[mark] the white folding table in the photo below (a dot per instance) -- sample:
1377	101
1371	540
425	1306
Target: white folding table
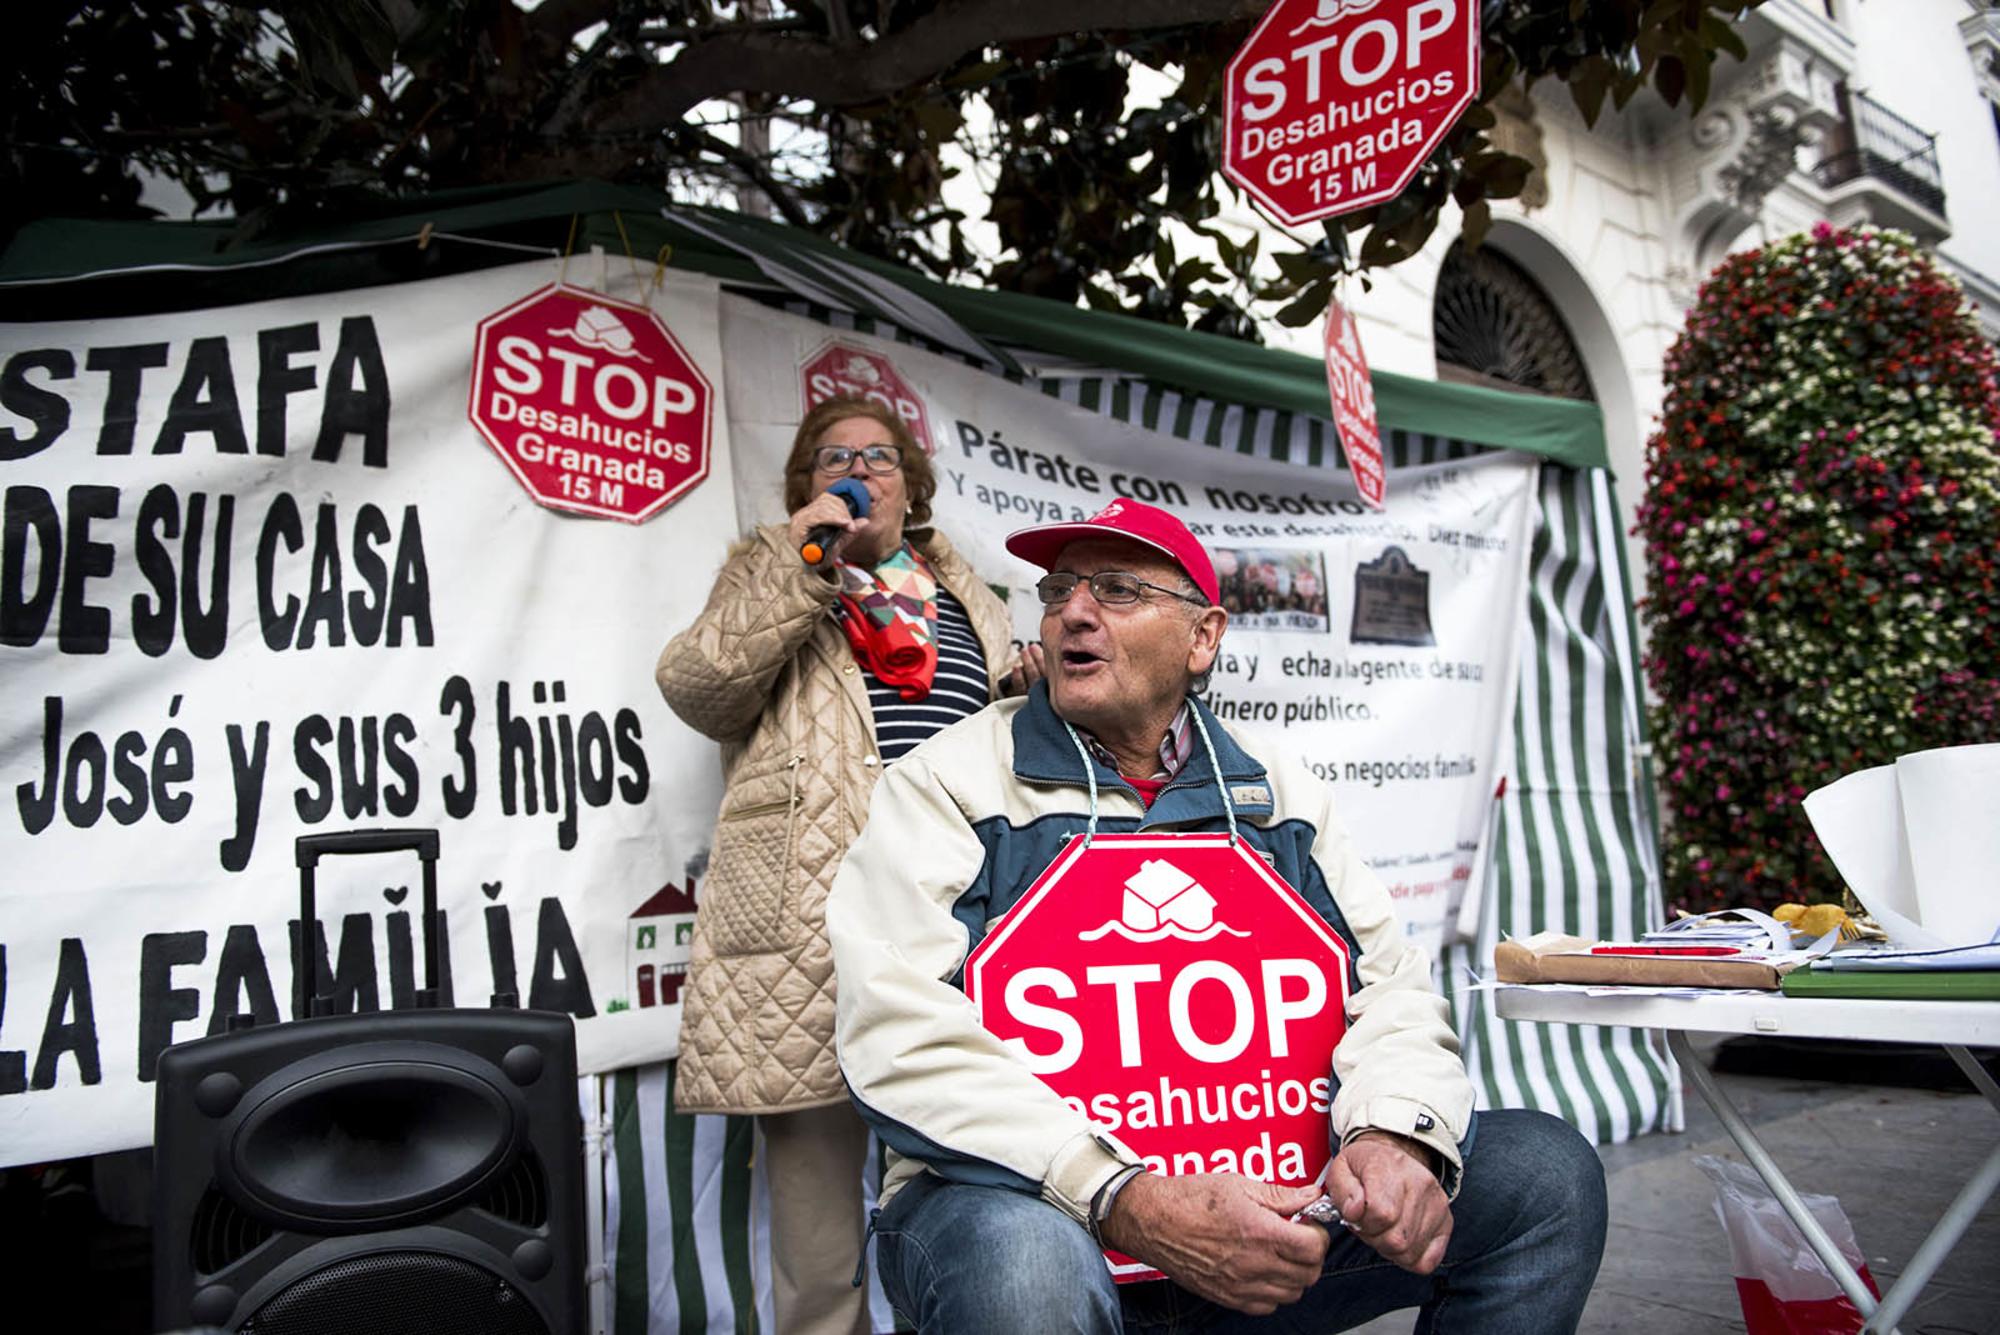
1953	1025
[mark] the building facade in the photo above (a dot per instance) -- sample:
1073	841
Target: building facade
1852	111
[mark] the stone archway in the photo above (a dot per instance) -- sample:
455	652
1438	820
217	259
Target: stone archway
1517	314
1493	325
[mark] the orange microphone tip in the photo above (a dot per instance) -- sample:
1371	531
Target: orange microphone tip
813	553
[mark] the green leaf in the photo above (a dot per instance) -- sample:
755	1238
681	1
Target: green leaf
1412	235
1588	84
1379	249
1719	33
342	44
1478	221
938	119
1225	249
1310	306
1194	270
1670	77
1504	175
1100	300
976	76
1698	67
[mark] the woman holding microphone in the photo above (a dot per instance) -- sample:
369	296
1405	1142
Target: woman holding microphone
813	677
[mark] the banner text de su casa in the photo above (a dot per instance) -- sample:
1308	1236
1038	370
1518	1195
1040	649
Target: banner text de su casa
324	576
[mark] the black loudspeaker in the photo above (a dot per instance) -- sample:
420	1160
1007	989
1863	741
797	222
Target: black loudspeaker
407	1173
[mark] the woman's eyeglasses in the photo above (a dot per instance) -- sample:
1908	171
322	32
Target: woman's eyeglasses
1113	588
875	458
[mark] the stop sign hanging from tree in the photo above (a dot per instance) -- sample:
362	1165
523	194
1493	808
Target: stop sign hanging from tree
1332	105
1172	988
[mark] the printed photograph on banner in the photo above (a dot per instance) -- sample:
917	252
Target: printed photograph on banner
1273	590
1392	602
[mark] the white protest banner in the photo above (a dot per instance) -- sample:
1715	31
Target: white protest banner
1382	645
263	578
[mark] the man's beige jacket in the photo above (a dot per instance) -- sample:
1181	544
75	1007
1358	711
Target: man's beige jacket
959	830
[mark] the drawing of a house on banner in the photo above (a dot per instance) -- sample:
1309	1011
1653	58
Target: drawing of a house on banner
659	936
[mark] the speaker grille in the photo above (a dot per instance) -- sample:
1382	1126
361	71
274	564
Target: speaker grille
521	1196
221	1232
398	1293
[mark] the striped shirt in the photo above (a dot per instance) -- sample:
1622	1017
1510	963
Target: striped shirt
958	690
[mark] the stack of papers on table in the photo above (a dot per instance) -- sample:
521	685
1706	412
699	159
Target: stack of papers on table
1742	949
1740	929
1915	961
1967	973
1918	843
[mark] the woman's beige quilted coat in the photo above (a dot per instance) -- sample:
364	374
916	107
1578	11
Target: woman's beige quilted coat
766	670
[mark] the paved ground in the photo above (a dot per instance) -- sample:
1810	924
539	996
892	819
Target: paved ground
1894	1156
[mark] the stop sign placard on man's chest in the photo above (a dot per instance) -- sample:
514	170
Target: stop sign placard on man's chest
1173	989
1332	105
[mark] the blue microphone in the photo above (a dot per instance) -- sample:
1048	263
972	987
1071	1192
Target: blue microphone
820	538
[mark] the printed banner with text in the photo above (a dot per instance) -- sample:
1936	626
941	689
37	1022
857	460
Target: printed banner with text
262	578
1381	645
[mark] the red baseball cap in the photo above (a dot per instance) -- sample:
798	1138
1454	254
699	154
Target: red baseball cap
1136	520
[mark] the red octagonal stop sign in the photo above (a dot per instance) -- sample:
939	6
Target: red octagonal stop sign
1176	991
1332	105
840	368
591	403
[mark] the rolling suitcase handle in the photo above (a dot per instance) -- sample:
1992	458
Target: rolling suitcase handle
308	849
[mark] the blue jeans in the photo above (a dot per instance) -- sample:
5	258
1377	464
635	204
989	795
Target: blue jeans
1527	1234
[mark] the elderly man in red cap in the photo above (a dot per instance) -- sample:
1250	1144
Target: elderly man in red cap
1000	1195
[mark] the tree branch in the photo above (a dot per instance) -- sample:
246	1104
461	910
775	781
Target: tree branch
813	69
563	19
757	172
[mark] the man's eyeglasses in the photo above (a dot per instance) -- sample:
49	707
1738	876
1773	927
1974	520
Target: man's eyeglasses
875	458
1113	588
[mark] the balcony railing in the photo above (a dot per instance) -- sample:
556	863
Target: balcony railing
1877	143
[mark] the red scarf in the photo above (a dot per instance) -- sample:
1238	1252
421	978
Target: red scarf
891	621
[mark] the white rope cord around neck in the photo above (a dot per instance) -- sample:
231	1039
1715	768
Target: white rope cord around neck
1214	763
1090	777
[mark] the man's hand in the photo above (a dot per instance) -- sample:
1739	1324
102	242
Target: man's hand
1389	1196
1029	668
1228	1238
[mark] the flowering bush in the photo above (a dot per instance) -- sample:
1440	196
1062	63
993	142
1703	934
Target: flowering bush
1822	528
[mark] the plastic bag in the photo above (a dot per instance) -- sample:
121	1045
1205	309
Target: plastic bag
1784	1287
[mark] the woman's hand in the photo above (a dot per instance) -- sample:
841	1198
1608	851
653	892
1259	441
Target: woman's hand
825	508
1029	667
